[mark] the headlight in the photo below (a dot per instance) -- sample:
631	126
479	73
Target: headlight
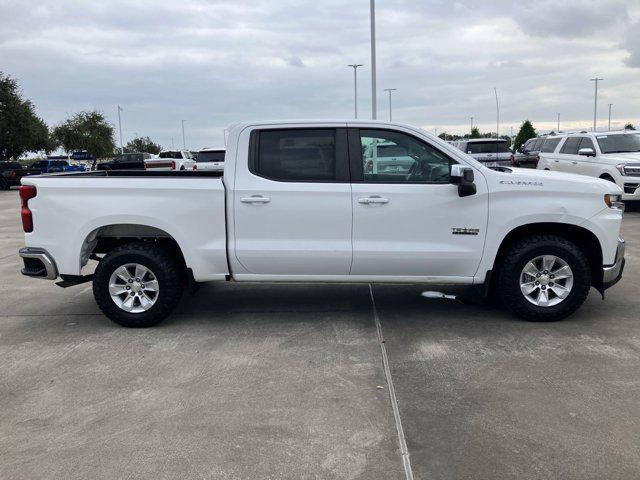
614	200
632	170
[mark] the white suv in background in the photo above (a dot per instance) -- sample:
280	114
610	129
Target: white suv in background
491	152
210	160
171	160
613	156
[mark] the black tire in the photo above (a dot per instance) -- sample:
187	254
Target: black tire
164	266
522	251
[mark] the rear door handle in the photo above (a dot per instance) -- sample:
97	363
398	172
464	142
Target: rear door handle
373	199
255	199
557	161
575	163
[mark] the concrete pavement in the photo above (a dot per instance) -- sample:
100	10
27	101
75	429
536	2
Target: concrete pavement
280	382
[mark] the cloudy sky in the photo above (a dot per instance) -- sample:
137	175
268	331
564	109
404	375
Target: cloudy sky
216	62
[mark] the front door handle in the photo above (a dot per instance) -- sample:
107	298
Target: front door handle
574	162
255	199
557	161
373	199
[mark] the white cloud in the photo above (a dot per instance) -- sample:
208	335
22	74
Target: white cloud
215	62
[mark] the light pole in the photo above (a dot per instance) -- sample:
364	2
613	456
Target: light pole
374	107
390	90
610	105
497	114
355	87
120	128
184	143
595	101
471	123
558	123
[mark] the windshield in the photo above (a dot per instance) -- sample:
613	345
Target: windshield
177	155
487	147
210	157
628	142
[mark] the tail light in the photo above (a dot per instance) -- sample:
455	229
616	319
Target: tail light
173	165
27	192
536	159
146	166
11	175
513	159
195	166
370	166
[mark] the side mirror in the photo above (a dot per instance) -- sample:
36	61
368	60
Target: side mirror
587	152
464	178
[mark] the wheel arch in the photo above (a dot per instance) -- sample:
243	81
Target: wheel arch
584	238
103	239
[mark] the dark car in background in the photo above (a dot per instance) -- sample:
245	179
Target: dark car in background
528	154
12	172
126	161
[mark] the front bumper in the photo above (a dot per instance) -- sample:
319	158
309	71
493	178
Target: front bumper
38	263
613	273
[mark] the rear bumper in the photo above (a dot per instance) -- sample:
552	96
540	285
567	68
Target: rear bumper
612	274
38	263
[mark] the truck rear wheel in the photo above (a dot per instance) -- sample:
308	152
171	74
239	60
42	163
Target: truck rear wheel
543	278
137	285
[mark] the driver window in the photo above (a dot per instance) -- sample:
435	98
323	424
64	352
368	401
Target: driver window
394	157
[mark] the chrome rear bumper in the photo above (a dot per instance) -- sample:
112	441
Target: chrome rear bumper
38	263
613	273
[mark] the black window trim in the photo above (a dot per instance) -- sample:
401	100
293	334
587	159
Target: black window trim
342	154
357	168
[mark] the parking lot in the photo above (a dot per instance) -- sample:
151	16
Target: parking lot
276	381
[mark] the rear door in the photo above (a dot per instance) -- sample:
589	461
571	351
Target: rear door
568	156
414	223
292	205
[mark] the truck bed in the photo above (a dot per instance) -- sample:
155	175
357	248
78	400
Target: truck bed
70	210
135	173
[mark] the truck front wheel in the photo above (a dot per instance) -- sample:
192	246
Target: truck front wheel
137	285
543	278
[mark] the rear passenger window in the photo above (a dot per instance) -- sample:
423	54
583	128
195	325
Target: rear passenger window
550	145
570	147
300	155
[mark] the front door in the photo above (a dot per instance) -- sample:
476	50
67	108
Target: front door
292	206
408	220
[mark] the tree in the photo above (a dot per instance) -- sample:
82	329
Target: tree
475	133
88	131
629	126
21	130
142	145
526	132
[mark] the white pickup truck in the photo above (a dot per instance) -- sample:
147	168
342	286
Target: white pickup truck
296	203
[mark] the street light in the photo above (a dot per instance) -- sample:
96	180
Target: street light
595	101
497	114
374	107
390	90
120	128
610	116
558	123
471	123
355	87
184	143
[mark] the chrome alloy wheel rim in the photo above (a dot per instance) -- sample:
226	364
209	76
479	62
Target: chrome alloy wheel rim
134	288
546	281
